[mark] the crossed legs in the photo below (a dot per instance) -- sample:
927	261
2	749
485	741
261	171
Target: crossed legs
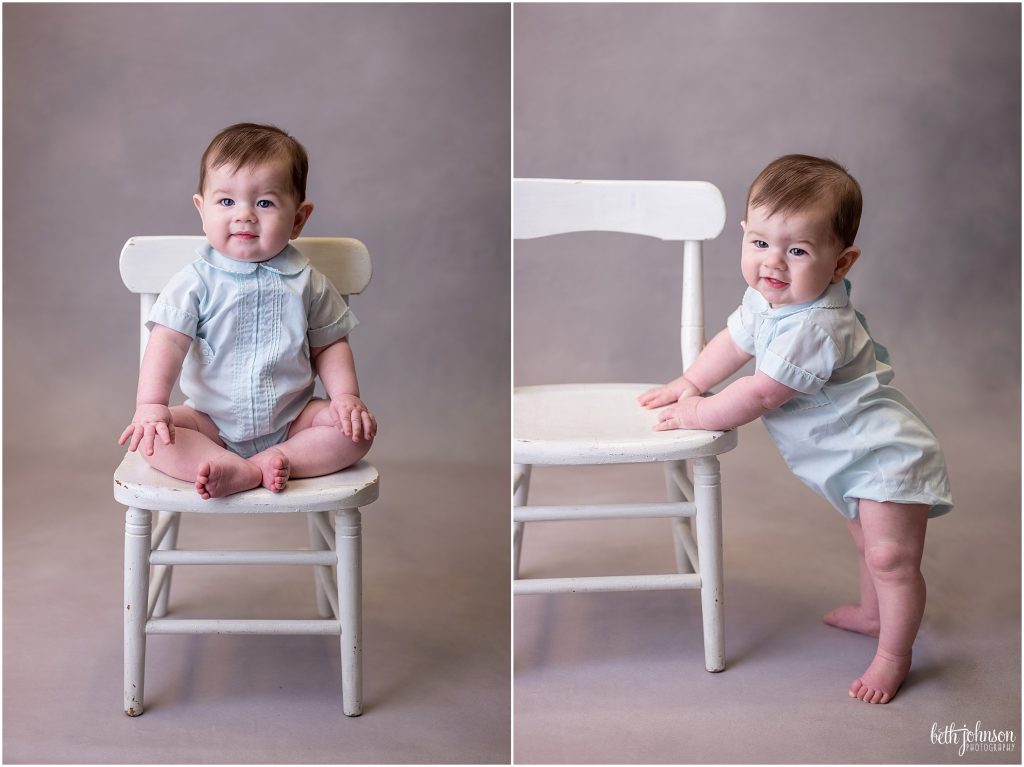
890	543
314	447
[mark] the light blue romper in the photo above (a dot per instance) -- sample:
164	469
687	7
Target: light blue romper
252	325
847	434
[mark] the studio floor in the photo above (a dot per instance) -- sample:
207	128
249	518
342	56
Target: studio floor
436	632
609	678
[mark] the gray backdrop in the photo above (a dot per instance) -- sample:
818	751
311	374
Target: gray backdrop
404	110
920	102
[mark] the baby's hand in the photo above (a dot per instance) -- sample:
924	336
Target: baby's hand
658	396
671	392
682	415
149	422
353	417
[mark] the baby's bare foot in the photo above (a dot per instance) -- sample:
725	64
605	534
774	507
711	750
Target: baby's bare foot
216	479
853	618
882	679
274	467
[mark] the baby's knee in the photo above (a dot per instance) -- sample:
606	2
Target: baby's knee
892	560
185	417
321	413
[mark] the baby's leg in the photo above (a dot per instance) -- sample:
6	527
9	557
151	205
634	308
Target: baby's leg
198	455
863	617
314	447
893	546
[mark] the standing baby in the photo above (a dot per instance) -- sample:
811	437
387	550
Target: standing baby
249	325
821	386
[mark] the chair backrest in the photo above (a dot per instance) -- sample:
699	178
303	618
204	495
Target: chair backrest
680	211
147	263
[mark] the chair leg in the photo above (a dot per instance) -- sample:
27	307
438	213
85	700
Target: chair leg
317	543
170	541
137	530
707	490
519	499
675	494
348	545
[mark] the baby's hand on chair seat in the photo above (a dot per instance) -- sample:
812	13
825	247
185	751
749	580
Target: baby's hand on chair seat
353	417
682	415
658	396
149	422
671	392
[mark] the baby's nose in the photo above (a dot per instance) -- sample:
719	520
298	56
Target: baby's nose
244	213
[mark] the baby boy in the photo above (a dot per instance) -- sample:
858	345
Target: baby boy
248	325
821	387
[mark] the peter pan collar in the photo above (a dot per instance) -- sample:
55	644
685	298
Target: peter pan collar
289	261
836	296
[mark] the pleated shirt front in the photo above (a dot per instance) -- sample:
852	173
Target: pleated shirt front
252	326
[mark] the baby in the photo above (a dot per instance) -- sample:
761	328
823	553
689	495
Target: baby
822	387
248	325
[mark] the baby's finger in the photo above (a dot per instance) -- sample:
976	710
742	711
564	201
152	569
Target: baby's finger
369	426
136	438
345	422
666	425
148	439
357	425
164	433
126	434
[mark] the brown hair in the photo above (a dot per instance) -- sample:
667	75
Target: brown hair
796	182
246	144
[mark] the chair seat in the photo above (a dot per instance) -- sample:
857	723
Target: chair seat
138	484
600	423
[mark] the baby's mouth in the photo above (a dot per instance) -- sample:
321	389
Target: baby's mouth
773	283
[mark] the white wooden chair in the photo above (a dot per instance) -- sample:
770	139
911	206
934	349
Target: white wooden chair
330	503
572	424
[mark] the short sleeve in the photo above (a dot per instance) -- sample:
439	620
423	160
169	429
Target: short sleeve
741	322
741	329
329	317
802	356
177	306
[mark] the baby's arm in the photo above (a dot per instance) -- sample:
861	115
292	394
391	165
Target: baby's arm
742	401
337	369
716	362
161	364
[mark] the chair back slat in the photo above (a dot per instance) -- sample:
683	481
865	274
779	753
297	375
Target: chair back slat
667	210
687	211
147	263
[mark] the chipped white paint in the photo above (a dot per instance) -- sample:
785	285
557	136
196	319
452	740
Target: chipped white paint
135	481
587	424
332	504
584	424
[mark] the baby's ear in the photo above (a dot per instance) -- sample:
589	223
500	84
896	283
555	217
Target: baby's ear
302	214
845	262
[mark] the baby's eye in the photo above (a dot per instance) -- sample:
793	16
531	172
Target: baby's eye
264	204
798	251
227	202
760	244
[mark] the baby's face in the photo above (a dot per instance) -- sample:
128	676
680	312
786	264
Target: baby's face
249	214
792	259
